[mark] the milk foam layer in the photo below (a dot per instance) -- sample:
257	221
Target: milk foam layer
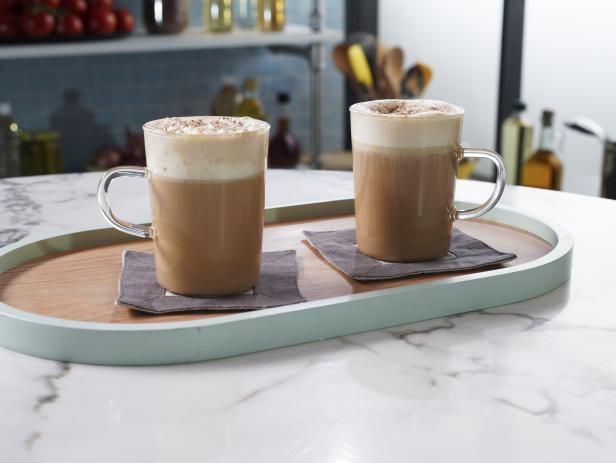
206	148
406	123
205	125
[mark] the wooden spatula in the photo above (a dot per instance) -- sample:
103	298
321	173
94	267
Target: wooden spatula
416	80
392	70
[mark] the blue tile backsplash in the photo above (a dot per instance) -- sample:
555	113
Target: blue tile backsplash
118	91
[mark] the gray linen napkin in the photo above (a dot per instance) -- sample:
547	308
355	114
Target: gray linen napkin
139	290
465	253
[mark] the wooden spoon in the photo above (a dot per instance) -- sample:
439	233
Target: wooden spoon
393	70
383	88
341	59
381	51
340	56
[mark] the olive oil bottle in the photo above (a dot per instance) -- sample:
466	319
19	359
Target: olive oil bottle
544	169
516	143
250	105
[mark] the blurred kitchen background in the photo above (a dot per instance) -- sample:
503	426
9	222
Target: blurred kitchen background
78	103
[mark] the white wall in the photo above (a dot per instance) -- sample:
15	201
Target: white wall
570	67
460	40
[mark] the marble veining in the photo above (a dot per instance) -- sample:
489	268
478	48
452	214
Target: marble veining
29	442
533	381
267	387
548	409
53	390
11	235
18	204
347	340
52	394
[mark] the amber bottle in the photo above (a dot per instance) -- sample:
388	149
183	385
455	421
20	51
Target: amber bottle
544	169
284	148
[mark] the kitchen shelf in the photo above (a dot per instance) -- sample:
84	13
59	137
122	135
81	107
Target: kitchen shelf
303	41
193	39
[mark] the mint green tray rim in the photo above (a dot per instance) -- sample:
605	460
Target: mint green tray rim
242	333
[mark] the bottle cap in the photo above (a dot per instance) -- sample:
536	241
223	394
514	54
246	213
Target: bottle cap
547	118
519	106
229	80
5	108
283	97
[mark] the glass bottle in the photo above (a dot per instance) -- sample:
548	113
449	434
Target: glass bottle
250	105
165	16
516	143
218	15
9	143
284	148
246	13
544	169
271	15
40	152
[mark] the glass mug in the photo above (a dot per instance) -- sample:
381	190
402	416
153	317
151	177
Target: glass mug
405	158
207	197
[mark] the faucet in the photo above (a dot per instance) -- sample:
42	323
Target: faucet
608	171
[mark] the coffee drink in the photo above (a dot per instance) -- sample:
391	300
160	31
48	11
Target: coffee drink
405	157
206	178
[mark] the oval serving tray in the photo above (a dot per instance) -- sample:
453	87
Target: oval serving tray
57	293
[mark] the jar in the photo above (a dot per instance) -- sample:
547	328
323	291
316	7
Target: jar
218	15
165	16
271	15
40	152
246	13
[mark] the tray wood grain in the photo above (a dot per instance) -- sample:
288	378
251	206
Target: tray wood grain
83	284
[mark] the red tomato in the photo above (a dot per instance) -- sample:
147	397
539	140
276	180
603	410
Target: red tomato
76	6
39	24
101	4
8	25
101	21
23	6
126	21
6	6
69	25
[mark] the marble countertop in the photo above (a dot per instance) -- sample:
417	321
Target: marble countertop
530	382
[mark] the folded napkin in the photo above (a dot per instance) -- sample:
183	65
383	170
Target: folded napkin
465	253
139	290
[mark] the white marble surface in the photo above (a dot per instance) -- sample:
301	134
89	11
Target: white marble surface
530	382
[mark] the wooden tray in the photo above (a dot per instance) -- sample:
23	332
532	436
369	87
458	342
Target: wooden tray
57	294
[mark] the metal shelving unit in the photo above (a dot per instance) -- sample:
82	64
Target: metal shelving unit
192	39
304	41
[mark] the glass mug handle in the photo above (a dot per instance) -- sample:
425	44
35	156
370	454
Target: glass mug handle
103	188
499	187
